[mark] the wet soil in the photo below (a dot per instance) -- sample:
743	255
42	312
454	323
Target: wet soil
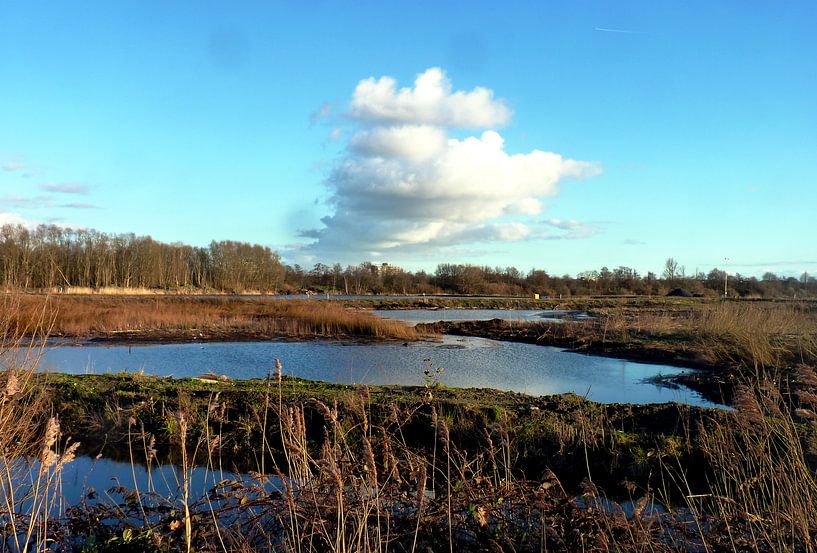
715	383
191	336
115	415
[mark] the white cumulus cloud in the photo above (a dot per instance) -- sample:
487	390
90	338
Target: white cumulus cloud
416	143
404	184
10	218
431	101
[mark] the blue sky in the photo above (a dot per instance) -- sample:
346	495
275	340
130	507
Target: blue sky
618	133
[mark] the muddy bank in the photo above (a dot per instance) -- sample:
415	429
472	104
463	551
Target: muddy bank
119	415
579	303
192	336
553	335
715	383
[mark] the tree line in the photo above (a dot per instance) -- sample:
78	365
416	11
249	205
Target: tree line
53	257
467	279
50	257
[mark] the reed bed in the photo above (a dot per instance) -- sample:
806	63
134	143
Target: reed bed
763	485
109	291
733	333
758	335
743	335
352	475
340	477
192	317
33	451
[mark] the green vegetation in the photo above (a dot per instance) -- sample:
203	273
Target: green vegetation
732	341
528	473
96	410
326	467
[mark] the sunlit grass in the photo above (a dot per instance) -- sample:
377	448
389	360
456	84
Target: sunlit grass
350	474
227	317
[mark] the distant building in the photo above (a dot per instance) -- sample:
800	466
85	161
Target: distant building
387	269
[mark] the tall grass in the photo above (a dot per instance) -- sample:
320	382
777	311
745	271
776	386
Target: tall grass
193	317
341	478
351	476
758	335
764	490
743	335
110	291
31	459
356	484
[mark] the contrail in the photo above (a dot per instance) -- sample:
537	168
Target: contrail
624	31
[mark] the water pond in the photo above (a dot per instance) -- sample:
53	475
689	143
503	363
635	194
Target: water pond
91	481
103	481
467	363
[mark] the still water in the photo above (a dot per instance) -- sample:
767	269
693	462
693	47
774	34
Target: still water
467	363
106	481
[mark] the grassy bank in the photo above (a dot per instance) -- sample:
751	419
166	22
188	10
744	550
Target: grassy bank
99	411
731	341
429	467
175	318
339	468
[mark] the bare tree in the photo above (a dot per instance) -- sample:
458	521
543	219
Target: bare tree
671	269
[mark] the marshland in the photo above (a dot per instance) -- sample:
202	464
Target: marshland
263	459
394	277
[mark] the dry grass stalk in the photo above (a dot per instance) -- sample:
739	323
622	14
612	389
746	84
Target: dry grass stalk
361	486
30	440
103	315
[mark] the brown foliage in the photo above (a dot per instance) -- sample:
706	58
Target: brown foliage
224	318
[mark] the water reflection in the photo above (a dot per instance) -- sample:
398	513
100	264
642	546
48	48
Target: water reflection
468	362
108	481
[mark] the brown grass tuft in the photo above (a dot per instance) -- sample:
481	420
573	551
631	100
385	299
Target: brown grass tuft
203	318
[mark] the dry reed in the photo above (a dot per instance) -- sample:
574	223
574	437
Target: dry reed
195	317
33	451
353	482
758	335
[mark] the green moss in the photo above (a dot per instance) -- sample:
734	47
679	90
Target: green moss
566	433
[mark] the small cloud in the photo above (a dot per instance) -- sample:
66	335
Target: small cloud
13	166
25	201
574	230
320	114
634	242
309	233
564	225
66	187
335	134
79	206
8	218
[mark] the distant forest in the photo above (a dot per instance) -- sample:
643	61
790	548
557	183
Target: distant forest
55	258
